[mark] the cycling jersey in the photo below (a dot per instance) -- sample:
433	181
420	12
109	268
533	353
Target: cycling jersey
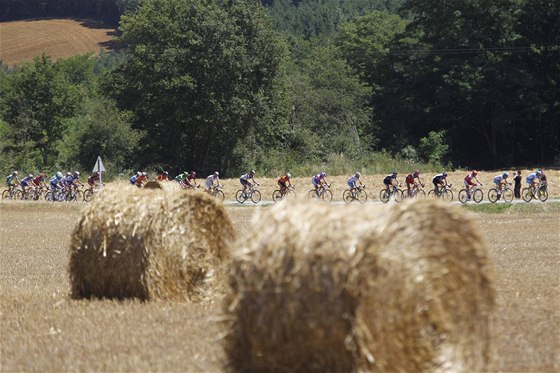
210	181
25	181
180	177
283	180
531	177
469	179
409	179
389	179
133	179
316	180
352	181
439	178
246	177
38	180
54	181
92	179
498	179
11	180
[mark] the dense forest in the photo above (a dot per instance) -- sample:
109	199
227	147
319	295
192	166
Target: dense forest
290	84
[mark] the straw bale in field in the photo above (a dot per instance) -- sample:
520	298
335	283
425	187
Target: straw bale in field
431	310
324	288
154	184
149	244
295	286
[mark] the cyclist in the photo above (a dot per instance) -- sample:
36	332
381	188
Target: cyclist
93	180
26	182
244	180
285	182
439	180
141	180
212	181
134	177
542	178
353	180
469	182
390	180
190	180
319	180
410	183
500	181
55	181
533	179
12	181
163	176
39	180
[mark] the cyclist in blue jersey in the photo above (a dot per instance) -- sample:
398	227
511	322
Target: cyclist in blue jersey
26	182
500	181
318	181
12	181
354	180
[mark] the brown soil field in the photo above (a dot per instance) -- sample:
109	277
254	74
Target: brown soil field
374	184
21	41
42	329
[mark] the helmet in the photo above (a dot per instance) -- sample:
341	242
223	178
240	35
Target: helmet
30	175
185	172
252	172
193	173
216	174
539	172
394	173
417	172
165	172
288	175
143	174
59	174
444	174
69	174
505	174
139	173
96	173
15	173
323	174
358	174
77	173
474	172
42	174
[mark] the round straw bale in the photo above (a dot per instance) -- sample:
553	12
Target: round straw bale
149	244
295	285
330	288
431	309
153	185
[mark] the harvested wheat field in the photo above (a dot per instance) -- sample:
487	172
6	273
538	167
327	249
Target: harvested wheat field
43	329
21	41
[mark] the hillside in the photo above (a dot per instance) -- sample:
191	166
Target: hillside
60	38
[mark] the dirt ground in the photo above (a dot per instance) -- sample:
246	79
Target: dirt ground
42	330
59	38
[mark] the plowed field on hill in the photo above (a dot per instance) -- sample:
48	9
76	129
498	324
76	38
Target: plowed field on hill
21	41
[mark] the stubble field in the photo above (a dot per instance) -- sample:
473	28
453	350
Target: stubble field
21	41
42	330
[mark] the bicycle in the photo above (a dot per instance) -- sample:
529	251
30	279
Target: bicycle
251	193
12	193
504	193
323	193
476	195
444	192
280	194
216	191
55	195
394	191
540	193
415	192
355	194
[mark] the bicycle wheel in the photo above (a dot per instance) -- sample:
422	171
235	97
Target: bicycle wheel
327	196
240	196
256	196
290	194
527	194
347	196
478	196
384	196
542	194
277	196
6	194
463	196
431	193
79	196
220	195
312	194
493	195
49	196
447	195
361	196
18	195
398	195
507	195
88	195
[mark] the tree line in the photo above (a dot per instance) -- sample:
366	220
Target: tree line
232	85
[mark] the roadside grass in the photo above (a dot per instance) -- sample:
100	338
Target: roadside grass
501	208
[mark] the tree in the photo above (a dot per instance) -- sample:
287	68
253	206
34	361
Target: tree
37	101
199	76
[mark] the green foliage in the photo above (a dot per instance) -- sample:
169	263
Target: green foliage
100	130
199	76
433	149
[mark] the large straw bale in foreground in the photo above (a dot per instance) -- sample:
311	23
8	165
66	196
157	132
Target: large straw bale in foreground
149	244
324	288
